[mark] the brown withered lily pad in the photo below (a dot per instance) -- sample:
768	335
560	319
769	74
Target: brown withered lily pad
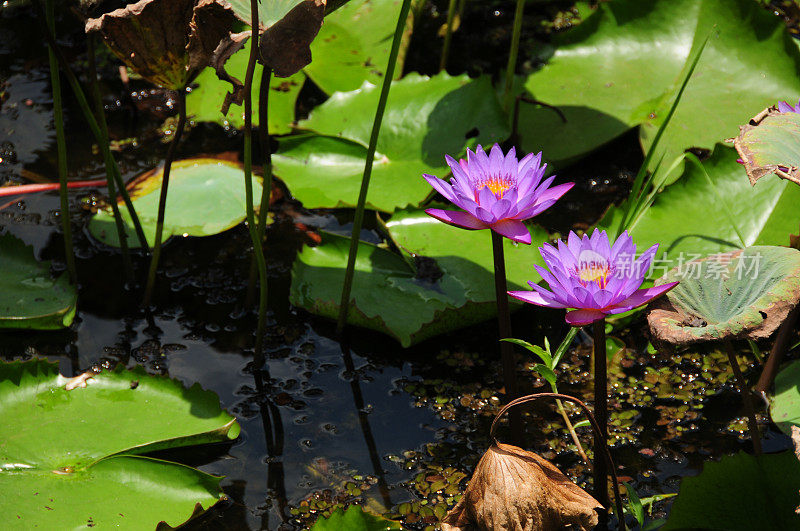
745	293
770	143
167	42
518	490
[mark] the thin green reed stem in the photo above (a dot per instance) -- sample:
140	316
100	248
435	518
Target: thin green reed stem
112	188
600	491
451	12
102	141
248	186
162	199
266	188
58	118
511	67
358	221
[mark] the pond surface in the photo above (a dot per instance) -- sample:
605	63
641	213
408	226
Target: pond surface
396	429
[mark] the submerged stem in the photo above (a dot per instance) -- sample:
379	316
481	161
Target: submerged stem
504	327
451	12
58	118
747	398
779	349
600	412
358	220
258	249
162	199
511	66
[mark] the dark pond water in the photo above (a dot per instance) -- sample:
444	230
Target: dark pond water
322	423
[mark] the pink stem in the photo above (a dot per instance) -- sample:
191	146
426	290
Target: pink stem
30	188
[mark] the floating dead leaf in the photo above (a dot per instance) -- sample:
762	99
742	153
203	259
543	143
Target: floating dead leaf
518	490
770	143
167	42
745	293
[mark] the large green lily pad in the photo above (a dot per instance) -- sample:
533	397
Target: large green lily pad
689	219
353	519
66	456
29	296
785	405
205	197
771	145
622	66
740	493
744	293
353	45
204	101
388	296
425	119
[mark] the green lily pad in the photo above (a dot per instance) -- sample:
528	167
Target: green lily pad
353	45
387	296
354	519
205	197
425	119
29	296
204	101
688	219
785	405
740	493
622	66
744	293
66	455
772	145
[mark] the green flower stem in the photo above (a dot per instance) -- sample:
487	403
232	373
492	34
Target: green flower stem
258	249
509	360
451	12
358	221
511	67
58	118
747	398
600	492
112	188
266	188
102	141
779	349
570	428
162	199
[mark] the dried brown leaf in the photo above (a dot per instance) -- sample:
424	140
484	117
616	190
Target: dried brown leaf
227	47
285	46
513	489
754	170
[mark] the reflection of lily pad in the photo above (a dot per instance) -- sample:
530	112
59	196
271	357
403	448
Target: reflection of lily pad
740	493
772	145
785	407
425	119
66	455
206	196
29	297
353	519
743	293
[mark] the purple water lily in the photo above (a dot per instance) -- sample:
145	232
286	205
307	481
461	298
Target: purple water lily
496	191
593	277
786	107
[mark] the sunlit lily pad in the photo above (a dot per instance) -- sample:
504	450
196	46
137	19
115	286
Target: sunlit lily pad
203	102
452	288
785	405
66	456
740	294
740	493
353	519
425	119
771	145
689	220
29	296
621	68
206	196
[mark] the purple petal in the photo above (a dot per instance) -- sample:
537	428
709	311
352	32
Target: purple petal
440	186
785	107
486	198
457	218
535	298
500	209
513	230
484	215
644	296
583	317
555	192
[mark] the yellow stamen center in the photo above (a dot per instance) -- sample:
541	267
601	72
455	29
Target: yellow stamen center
594	272
498	184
